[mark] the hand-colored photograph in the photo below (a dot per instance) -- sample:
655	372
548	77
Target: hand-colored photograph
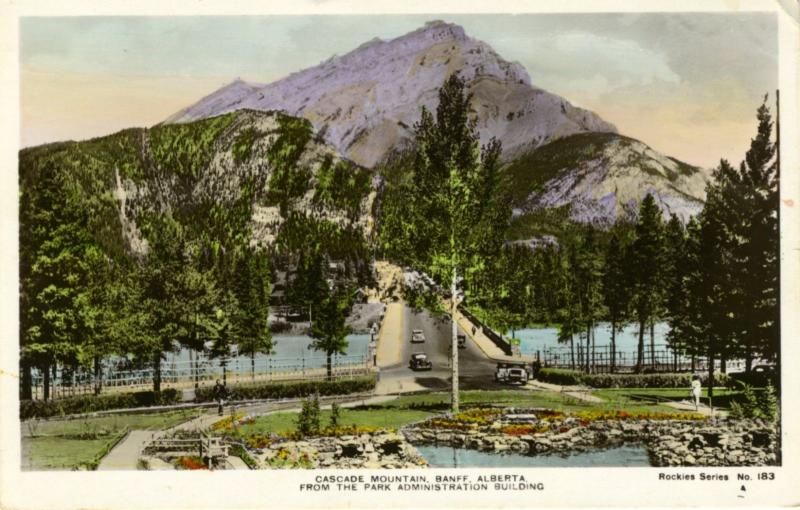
399	241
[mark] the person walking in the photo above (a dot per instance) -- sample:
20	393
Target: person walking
696	389
219	393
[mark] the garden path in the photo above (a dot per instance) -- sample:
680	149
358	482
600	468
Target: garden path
125	455
578	392
685	405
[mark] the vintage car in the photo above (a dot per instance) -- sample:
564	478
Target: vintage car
512	373
462	341
419	361
417	336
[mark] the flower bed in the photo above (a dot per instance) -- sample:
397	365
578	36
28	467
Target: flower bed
190	462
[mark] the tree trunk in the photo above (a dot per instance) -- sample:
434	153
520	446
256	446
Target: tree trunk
748	360
329	366
640	348
46	382
594	364
588	346
157	372
613	347
572	351
26	384
723	365
694	363
454	342
98	376
253	364
710	378
652	344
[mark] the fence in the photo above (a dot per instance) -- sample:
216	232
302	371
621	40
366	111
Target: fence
657	358
67	382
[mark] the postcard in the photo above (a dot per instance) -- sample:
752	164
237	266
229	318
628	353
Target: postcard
337	254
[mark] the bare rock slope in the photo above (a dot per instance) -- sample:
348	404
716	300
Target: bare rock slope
366	102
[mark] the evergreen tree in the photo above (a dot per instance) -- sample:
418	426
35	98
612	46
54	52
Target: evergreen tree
616	294
329	329
646	261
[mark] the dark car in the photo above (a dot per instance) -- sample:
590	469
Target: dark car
462	341
419	361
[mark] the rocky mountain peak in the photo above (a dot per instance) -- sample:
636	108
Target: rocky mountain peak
366	102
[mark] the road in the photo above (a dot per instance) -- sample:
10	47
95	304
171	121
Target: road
476	371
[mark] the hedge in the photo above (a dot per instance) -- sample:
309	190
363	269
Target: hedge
91	403
662	380
290	389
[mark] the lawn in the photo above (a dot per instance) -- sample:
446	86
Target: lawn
630	398
81	443
408	409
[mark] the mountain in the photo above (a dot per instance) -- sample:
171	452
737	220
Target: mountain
598	177
366	102
247	177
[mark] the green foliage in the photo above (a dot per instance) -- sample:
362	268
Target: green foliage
335	416
342	185
238	450
574	377
288	181
290	389
328	328
184	150
308	423
242	146
763	405
88	404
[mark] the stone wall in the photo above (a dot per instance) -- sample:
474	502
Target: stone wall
669	443
379	450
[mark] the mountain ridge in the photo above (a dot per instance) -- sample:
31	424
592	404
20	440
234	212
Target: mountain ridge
366	101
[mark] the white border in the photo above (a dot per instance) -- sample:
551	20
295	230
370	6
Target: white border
593	487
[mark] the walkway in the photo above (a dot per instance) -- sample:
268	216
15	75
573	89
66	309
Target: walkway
390	336
685	405
490	350
125	455
578	392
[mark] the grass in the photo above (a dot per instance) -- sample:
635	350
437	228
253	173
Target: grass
408	409
75	444
630	397
61	453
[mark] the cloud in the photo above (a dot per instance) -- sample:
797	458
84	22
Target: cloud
597	64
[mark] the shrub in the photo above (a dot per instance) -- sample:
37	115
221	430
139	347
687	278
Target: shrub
290	389
90	403
335	415
308	419
665	380
763	405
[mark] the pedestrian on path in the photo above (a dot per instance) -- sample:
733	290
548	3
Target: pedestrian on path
219	392
695	391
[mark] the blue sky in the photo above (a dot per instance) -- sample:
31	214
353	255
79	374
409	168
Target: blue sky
687	84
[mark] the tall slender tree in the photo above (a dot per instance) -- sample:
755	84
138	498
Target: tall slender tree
646	262
452	180
616	294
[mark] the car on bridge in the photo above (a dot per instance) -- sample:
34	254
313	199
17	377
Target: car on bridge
417	336
512	373
419	361
462	341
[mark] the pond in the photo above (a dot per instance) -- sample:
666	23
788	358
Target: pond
534	339
289	352
450	457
